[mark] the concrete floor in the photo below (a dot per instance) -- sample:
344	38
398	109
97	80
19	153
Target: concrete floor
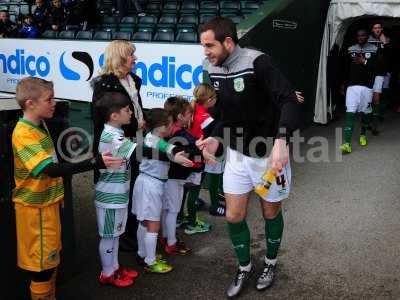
341	238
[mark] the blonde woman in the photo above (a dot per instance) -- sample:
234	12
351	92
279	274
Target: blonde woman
116	76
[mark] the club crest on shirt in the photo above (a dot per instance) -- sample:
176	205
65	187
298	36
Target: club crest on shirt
367	55
238	84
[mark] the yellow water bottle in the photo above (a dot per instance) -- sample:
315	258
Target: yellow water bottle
268	179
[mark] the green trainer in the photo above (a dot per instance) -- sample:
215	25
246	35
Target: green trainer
200	227
159	266
363	140
346	148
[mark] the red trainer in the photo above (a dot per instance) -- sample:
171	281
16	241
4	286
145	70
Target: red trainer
126	272
116	279
177	249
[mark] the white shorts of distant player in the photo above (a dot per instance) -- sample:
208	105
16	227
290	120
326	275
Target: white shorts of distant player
242	173
359	99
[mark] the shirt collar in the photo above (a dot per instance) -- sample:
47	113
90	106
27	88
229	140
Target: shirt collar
233	57
110	128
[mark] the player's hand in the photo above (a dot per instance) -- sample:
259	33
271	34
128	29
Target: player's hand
376	98
210	144
300	97
359	60
342	90
208	157
181	159
111	162
279	155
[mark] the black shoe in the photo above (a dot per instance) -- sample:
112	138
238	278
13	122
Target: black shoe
140	260
266	277
127	245
241	278
218	212
221	198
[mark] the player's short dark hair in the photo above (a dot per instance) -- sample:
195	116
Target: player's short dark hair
376	23
109	103
222	28
363	30
156	117
175	106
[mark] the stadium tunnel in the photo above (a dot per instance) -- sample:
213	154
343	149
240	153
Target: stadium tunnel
345	16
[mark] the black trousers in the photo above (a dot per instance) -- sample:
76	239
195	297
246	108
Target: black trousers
131	223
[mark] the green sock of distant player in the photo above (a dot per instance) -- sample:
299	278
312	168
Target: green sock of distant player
348	129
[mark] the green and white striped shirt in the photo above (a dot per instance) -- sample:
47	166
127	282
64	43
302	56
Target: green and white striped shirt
112	188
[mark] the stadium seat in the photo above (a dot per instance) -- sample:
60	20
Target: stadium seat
167	21
102	35
227	7
189	29
72	27
128	20
205	18
122	35
84	35
147	21
209	7
108	27
170	7
189	6
142	36
164	36
188	21
24	9
187	37
153	8
66	34
49	34
235	18
110	20
249	7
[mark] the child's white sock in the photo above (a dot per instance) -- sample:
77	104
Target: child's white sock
170	230
116	251
141	233
106	256
150	241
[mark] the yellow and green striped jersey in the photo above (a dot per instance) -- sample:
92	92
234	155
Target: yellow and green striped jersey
33	150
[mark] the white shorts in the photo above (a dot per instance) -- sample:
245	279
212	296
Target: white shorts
111	222
194	178
242	173
359	99
173	195
147	198
217	168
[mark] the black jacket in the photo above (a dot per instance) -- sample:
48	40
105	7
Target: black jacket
254	100
110	83
185	142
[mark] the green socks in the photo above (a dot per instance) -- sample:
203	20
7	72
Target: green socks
193	195
365	122
348	129
273	235
213	187
240	237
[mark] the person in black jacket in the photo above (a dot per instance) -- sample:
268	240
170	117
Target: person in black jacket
116	76
257	111
57	16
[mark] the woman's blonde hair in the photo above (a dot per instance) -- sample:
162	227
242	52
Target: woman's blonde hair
203	92
115	57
